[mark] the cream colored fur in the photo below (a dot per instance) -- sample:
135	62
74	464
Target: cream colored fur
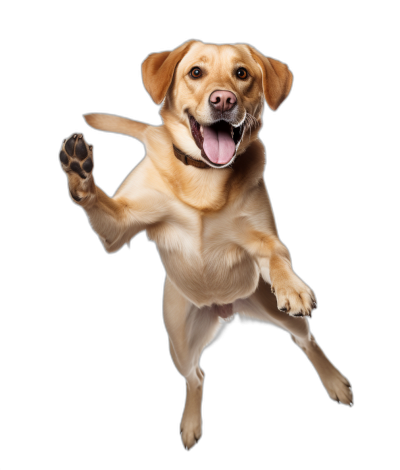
214	228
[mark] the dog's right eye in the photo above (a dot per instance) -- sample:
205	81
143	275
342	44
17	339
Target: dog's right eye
196	72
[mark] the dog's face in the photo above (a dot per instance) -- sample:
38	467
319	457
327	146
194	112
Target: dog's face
214	96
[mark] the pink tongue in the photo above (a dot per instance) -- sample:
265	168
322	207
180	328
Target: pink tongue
218	145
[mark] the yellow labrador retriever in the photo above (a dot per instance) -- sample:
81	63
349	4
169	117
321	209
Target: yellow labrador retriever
200	195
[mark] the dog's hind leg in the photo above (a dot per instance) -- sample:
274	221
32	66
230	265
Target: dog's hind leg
262	305
189	329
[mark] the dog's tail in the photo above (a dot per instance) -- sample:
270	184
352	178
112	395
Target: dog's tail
120	125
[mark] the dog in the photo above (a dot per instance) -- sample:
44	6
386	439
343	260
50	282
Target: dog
200	195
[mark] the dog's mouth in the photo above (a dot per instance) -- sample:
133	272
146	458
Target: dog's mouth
218	142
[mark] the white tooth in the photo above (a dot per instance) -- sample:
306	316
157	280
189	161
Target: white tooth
201	131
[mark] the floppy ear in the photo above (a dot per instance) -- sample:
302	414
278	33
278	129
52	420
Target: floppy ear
276	77
158	70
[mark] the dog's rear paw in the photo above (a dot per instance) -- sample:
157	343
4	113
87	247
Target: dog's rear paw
76	158
190	430
338	388
190	437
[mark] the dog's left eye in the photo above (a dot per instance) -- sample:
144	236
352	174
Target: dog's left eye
241	73
196	72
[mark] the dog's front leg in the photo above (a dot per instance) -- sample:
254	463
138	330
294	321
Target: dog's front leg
258	234
116	220
293	295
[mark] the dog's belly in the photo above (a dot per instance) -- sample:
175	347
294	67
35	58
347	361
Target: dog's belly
219	276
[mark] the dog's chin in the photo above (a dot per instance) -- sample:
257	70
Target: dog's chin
217	142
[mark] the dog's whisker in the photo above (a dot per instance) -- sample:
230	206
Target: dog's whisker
249	122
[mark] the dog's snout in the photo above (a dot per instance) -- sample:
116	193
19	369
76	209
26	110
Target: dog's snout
222	100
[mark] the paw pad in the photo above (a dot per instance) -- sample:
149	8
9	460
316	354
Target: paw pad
76	156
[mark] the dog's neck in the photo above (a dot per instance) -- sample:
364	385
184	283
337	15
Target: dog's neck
207	191
203	190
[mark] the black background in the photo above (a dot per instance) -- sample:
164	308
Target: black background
89	377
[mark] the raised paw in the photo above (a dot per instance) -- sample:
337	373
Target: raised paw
76	158
294	297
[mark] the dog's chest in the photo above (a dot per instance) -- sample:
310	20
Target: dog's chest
201	255
195	235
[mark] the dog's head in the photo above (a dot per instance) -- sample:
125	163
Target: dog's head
213	96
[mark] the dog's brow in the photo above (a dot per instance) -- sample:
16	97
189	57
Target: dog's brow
239	62
198	63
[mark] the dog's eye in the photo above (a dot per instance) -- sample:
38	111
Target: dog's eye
241	73
196	72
